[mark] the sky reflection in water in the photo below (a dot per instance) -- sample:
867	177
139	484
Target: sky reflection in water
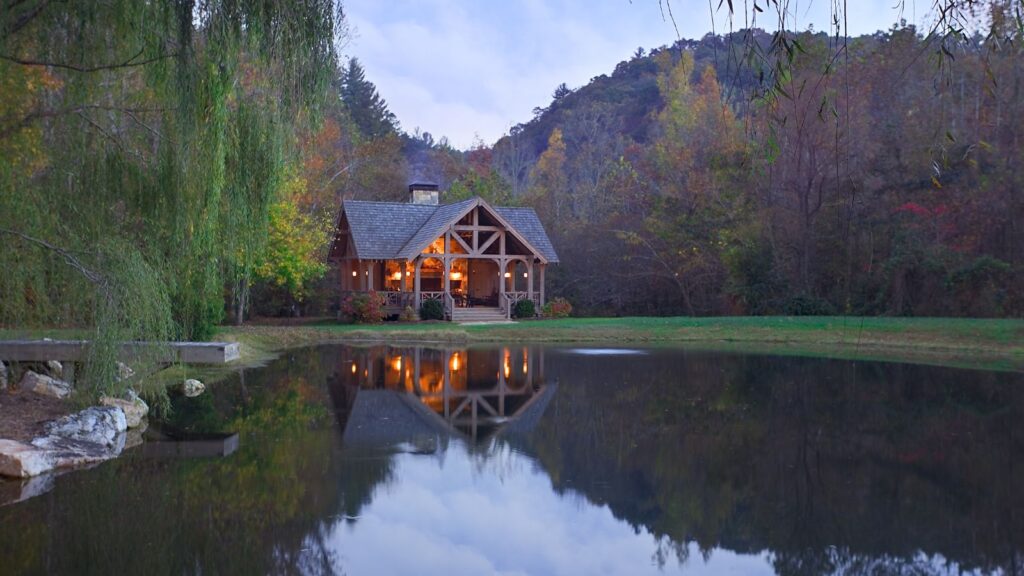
533	460
468	514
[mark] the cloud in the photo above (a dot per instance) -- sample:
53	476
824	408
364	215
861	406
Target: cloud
467	68
457	517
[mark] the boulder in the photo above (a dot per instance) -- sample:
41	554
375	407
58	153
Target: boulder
20	460
55	368
42	384
134	410
124	371
3	376
192	388
88	437
98	425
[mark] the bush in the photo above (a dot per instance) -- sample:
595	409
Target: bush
557	308
407	315
806	305
432	310
363	308
524	309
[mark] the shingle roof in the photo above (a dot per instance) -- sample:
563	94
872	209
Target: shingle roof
381	229
526	222
396	230
444	216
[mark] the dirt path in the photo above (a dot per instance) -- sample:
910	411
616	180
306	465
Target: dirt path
23	414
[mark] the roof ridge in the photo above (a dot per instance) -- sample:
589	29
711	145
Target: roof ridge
429	221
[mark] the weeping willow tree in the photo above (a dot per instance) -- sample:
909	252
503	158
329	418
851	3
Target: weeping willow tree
141	147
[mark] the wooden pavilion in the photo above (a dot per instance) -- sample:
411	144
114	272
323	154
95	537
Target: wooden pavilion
477	259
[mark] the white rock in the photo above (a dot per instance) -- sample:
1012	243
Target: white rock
134	410
20	460
42	384
98	425
124	371
55	368
3	376
192	387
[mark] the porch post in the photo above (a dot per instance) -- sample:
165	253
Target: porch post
542	267
416	283
447	274
529	279
369	275
447	263
361	274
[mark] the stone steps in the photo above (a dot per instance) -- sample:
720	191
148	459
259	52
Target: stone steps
478	314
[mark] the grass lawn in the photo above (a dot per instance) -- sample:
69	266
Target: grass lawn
996	344
968	342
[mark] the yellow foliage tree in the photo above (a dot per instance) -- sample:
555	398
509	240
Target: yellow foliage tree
548	179
293	256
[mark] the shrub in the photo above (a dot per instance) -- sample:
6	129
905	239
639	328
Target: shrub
806	305
407	315
557	308
524	309
432	310
363	308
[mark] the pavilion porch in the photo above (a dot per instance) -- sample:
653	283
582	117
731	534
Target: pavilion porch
459	281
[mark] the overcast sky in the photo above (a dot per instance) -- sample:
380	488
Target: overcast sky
470	69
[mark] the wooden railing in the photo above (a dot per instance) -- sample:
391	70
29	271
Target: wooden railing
424	296
512	297
391	298
396	299
449	305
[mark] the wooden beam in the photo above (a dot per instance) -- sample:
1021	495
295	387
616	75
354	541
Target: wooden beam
471	228
487	243
466	247
76	351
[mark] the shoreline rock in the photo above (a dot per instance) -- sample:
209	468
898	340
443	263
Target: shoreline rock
55	368
46	385
192	388
91	436
135	410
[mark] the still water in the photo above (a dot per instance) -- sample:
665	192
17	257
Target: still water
553	460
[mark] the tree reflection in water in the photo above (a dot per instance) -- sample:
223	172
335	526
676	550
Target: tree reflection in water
807	466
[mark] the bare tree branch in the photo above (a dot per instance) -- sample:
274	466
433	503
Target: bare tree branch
25	18
129	63
31	117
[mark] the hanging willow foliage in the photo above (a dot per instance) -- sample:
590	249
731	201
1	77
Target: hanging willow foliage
141	146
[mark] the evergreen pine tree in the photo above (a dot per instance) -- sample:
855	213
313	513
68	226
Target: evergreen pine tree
367	109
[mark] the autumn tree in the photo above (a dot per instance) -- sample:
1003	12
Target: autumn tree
161	134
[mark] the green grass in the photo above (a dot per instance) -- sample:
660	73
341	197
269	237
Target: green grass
967	342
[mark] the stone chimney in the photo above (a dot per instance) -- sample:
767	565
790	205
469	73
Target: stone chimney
423	193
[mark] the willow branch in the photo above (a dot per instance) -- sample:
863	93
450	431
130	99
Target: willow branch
89	274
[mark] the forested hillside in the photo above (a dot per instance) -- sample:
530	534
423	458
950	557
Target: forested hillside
870	175
882	176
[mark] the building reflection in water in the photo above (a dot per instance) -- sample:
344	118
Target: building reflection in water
391	394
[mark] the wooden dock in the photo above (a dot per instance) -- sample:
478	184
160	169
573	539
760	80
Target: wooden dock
75	351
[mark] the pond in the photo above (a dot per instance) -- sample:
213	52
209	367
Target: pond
553	460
